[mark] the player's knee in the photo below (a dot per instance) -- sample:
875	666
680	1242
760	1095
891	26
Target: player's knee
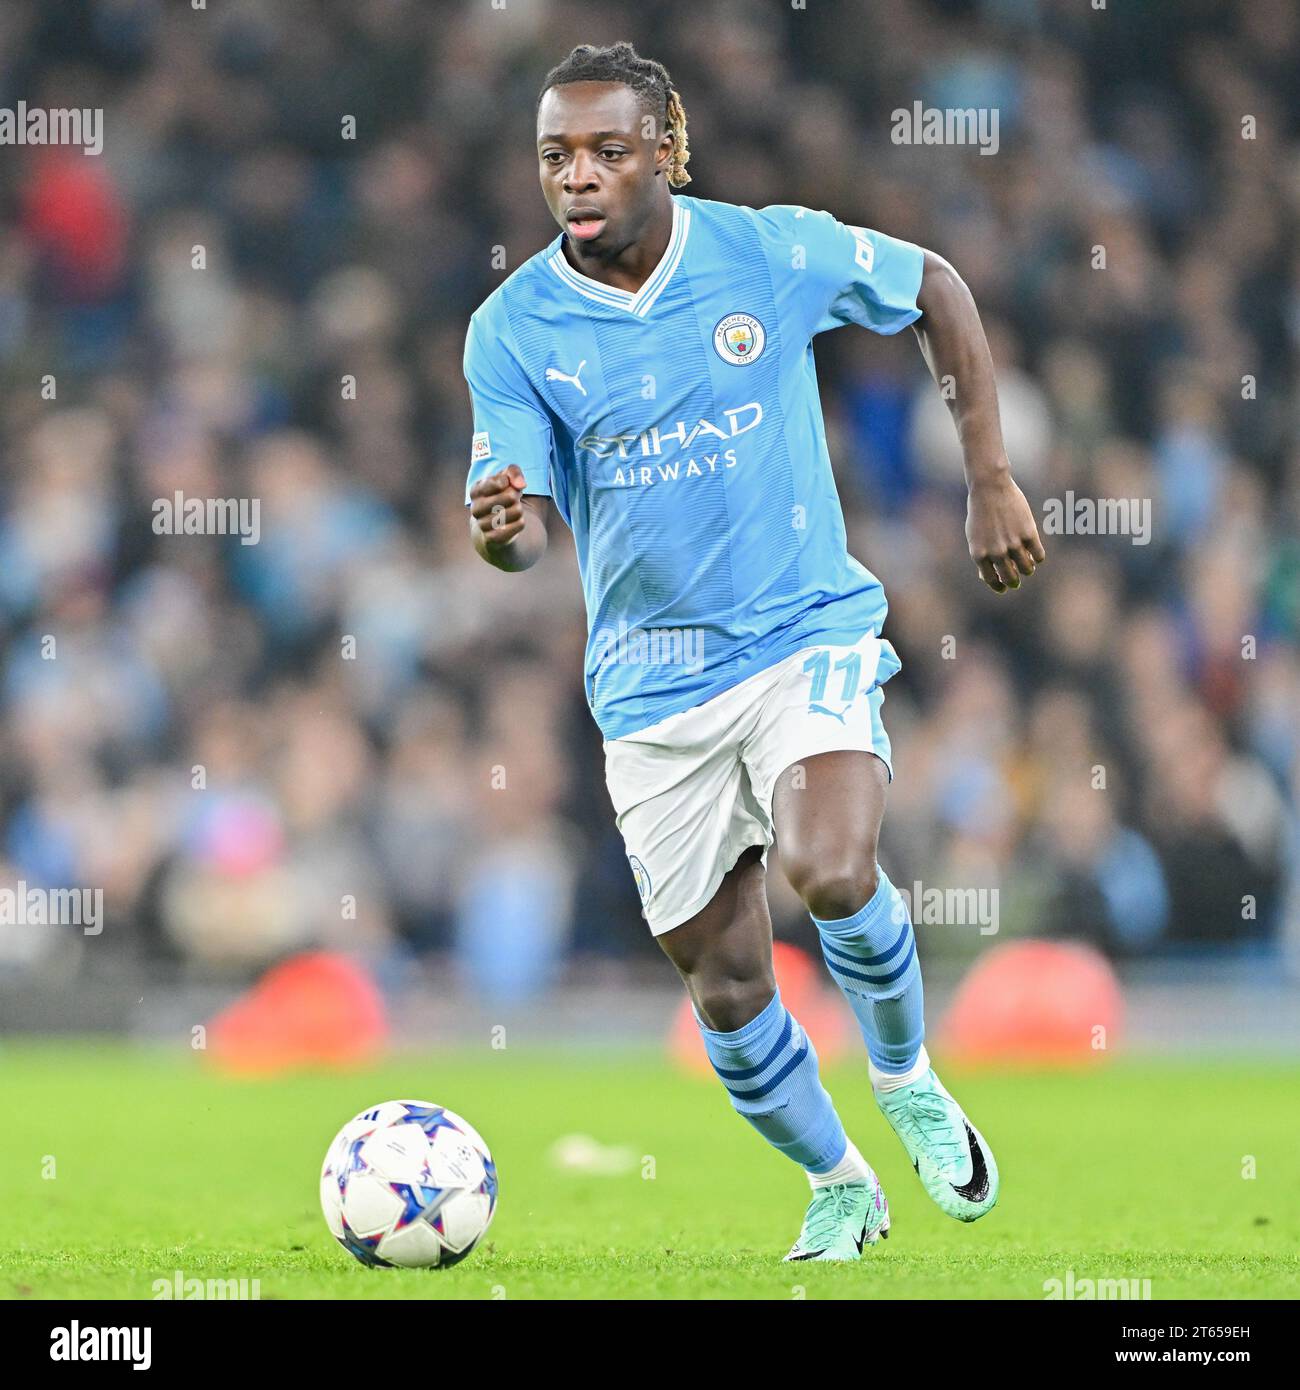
727	1003
832	890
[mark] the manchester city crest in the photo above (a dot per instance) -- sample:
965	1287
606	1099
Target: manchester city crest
739	339
641	876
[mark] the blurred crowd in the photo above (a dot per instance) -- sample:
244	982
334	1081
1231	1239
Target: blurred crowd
356	734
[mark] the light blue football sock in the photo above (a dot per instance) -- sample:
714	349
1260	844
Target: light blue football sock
769	1068
872	956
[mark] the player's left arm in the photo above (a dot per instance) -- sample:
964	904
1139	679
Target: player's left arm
1000	527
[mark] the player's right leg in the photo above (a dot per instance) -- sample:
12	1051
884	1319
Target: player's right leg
768	1064
696	844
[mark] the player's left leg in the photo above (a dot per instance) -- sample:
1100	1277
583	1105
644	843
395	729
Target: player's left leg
826	812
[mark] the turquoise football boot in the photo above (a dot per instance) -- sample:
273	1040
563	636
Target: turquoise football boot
841	1219
955	1165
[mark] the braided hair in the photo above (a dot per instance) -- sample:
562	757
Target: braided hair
620	62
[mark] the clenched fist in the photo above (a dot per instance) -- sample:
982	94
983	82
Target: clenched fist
508	532
497	505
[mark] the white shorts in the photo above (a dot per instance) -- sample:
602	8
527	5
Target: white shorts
692	792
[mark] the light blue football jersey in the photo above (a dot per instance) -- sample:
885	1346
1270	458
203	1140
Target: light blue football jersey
679	432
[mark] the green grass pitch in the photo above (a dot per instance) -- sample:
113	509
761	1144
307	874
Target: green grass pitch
1132	1170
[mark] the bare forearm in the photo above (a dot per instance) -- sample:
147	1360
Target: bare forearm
1000	528
957	353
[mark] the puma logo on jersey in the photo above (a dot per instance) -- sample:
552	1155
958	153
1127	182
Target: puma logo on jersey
555	374
821	709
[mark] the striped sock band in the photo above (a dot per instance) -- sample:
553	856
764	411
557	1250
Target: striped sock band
872	956
769	1068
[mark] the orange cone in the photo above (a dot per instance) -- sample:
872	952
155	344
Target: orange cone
1035	1002
804	992
316	1009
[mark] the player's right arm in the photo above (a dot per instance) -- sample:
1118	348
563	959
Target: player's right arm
511	452
507	527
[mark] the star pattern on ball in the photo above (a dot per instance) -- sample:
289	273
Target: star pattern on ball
430	1118
418	1202
365	1248
488	1187
352	1163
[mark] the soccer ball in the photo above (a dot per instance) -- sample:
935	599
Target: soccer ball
410	1184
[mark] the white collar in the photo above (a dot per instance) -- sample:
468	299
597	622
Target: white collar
641	302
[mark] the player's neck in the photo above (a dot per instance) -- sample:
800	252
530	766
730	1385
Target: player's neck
631	266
